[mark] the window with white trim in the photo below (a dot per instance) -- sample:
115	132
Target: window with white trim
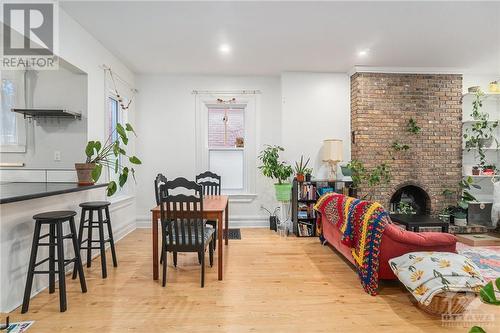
226	141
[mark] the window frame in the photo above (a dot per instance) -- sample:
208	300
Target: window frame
21	124
248	102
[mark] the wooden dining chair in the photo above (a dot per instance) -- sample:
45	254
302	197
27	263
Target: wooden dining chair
160	180
211	183
183	226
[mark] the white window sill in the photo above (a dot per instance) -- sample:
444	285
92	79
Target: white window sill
241	197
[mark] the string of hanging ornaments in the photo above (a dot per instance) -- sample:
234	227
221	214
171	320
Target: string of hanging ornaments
120	98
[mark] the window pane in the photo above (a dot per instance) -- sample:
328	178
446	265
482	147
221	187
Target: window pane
8	118
229	165
225	126
114	119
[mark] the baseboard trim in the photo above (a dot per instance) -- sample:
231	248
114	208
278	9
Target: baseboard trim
239	221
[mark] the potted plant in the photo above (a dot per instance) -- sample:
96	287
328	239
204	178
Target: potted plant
308	172
445	214
300	169
405	208
108	155
489	169
481	134
273	168
475	170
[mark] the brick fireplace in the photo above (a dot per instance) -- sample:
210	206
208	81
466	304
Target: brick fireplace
381	105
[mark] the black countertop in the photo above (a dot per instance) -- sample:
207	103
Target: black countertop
15	191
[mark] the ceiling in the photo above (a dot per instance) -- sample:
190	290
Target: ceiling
267	38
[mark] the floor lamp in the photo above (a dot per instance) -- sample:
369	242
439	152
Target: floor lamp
332	154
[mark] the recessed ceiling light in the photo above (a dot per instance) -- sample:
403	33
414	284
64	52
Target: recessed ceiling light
225	49
363	53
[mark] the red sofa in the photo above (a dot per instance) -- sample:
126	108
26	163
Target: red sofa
395	242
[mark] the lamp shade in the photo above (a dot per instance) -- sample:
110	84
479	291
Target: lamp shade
332	150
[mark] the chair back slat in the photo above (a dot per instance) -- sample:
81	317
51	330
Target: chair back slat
210	181
182	215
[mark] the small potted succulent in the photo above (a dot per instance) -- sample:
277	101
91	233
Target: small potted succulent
273	168
308	172
300	169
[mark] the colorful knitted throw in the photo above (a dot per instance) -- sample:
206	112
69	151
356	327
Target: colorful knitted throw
362	224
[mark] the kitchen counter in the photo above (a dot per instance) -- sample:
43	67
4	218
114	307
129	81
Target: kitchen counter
17	191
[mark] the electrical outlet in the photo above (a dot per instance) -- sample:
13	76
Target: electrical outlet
57	156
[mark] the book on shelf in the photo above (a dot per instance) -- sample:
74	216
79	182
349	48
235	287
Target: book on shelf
305	229
306	191
305	211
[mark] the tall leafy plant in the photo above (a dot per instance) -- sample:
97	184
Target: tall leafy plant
272	167
380	174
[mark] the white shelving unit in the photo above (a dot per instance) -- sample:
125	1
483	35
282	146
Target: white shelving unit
491	105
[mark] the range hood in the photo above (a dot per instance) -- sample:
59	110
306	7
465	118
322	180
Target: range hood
29	111
47	113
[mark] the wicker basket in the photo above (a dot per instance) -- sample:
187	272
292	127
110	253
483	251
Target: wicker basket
449	303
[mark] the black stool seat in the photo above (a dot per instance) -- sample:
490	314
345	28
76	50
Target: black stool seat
95	204
55	215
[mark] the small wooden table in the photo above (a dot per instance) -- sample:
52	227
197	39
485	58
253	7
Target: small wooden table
413	222
215	207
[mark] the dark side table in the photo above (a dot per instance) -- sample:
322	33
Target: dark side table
413	222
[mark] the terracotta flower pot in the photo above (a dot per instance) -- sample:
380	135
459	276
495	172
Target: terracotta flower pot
84	173
300	177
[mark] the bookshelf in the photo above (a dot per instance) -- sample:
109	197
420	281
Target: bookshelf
304	197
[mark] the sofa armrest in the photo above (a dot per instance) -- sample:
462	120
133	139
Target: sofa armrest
419	239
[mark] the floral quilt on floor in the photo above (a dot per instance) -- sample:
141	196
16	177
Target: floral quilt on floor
362	224
426	274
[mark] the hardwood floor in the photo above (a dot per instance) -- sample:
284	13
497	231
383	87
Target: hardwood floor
270	284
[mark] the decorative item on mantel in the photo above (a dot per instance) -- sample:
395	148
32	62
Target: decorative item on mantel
301	168
332	154
108	154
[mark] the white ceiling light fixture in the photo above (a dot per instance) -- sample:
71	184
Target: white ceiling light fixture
363	53
225	49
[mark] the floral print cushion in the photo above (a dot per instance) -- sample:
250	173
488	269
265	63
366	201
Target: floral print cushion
426	274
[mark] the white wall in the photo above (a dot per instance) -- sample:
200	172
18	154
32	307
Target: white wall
316	106
166	129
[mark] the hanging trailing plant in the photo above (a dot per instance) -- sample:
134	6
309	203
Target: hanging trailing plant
380	174
480	134
412	126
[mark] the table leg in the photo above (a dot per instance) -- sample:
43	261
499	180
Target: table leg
154	227
219	247
226	216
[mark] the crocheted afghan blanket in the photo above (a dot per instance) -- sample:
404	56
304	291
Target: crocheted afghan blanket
362	224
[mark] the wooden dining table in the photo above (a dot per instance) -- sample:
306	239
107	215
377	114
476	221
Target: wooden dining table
215	207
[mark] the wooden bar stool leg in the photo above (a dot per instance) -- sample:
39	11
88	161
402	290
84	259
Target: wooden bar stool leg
80	237
31	268
89	239
52	255
111	239
78	261
60	268
101	244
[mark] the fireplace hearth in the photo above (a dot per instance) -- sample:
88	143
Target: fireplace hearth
414	196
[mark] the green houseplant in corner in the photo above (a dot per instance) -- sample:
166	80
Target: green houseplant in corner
273	168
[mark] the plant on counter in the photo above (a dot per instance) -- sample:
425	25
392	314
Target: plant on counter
466	185
380	174
480	134
301	168
109	154
273	168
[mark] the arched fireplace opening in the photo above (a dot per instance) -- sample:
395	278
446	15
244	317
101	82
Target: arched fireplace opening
413	195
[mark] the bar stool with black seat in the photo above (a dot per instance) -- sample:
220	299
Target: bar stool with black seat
56	238
99	207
